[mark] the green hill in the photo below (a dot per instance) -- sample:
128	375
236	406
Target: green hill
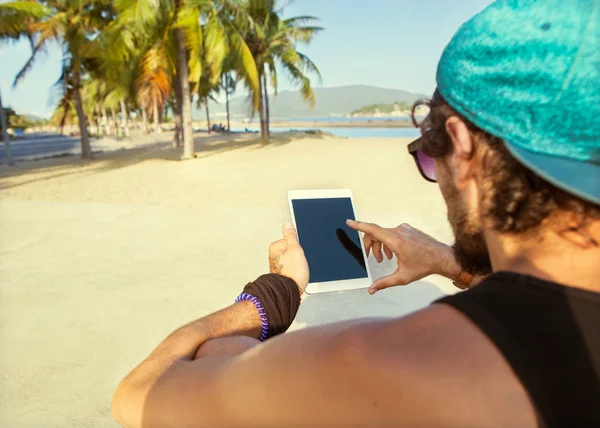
335	101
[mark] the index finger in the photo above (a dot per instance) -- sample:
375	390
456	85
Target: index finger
372	229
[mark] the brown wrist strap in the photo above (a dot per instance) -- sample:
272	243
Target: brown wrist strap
280	297
463	280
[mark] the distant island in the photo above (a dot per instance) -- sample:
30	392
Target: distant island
395	109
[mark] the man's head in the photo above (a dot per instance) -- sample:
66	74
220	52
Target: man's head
486	187
515	124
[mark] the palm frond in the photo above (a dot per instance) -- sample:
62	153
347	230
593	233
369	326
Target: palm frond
303	34
17	17
309	66
247	67
29	64
272	74
300	20
64	111
188	20
291	62
216	47
154	81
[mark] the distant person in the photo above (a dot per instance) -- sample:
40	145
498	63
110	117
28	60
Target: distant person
513	139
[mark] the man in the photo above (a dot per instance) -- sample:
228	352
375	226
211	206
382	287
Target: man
514	131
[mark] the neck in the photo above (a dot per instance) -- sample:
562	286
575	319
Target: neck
549	257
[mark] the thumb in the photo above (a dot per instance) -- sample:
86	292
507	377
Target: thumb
383	283
289	233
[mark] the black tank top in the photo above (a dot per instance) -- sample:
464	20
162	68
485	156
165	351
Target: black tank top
550	335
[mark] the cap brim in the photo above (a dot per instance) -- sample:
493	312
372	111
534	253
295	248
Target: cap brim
579	178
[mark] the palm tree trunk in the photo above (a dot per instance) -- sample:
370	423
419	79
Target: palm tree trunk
157	129
186	107
144	120
178	121
207	115
5	136
99	121
86	150
113	114
227	101
176	139
266	105
124	117
105	121
264	138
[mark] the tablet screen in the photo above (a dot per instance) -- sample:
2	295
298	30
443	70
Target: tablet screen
331	247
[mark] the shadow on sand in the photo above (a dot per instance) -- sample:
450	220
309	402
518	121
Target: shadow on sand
67	165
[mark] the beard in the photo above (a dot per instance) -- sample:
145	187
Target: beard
470	249
470	256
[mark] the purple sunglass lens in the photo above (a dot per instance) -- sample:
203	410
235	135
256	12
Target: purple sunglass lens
427	165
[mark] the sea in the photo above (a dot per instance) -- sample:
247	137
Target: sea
346	132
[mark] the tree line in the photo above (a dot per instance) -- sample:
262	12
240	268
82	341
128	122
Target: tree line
145	56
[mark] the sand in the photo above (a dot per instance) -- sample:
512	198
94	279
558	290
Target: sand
100	261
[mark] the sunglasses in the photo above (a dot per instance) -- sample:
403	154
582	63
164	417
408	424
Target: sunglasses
425	164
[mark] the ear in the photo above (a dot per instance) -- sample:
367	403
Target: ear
463	150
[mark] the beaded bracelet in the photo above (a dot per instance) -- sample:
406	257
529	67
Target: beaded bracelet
264	332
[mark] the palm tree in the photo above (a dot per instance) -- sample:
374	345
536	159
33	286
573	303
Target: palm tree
154	81
272	41
177	23
149	52
200	31
228	84
74	24
15	21
204	89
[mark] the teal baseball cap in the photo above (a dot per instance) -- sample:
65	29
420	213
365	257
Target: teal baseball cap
528	71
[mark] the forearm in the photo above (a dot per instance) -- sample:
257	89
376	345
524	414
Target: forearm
241	319
182	345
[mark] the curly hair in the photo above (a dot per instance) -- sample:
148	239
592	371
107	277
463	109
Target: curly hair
514	198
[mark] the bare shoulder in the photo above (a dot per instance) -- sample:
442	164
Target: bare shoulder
433	368
448	367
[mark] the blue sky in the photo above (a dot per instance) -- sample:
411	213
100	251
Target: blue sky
386	43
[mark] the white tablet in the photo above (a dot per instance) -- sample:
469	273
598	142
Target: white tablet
335	252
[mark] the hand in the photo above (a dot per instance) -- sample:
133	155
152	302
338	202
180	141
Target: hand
286	257
417	253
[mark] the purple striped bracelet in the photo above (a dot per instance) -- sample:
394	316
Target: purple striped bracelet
264	320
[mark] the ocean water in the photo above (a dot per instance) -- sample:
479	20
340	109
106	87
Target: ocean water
341	119
373	132
353	132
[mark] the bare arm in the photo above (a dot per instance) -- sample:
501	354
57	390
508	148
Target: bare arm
179	348
432	368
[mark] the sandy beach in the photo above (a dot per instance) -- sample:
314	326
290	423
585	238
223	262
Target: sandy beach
99	261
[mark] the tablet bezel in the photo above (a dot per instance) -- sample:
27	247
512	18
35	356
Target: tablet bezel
330	286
